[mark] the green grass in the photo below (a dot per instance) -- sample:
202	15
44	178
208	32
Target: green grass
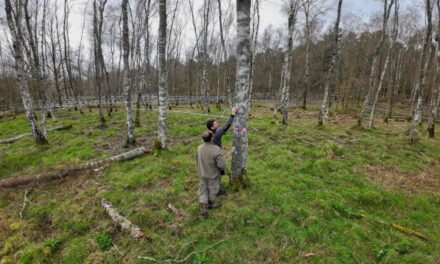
298	175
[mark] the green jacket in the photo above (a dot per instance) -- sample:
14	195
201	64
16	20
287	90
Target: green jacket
210	161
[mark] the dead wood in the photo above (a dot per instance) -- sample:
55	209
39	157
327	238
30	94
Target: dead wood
13	139
60	174
122	222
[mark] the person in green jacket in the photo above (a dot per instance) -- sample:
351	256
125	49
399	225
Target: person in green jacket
210	163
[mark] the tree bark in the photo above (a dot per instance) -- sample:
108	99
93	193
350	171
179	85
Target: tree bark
287	67
163	76
387	61
126	79
435	94
14	23
374	67
422	74
239	156
323	111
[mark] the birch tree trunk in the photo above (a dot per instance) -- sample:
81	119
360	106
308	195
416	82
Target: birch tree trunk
239	156
435	95
14	23
97	33
374	67
287	67
392	90
324	110
387	61
254	37
163	75
205	58
67	57
422	74
126	79
225	56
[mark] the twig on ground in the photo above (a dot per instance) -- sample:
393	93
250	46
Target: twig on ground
25	200
176	259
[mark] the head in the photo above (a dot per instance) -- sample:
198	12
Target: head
212	124
207	136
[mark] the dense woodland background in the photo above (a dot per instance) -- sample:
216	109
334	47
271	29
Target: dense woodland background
195	53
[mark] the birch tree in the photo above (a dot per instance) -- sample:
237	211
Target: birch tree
126	76
163	75
239	155
387	61
14	19
435	94
374	66
287	67
254	39
422	73
98	10
335	49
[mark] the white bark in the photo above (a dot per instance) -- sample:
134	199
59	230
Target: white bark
435	95
163	82
324	110
14	24
386	15
125	224
126	79
239	156
422	74
385	67
287	67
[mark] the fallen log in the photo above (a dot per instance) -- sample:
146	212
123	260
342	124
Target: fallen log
60	174
122	222
13	139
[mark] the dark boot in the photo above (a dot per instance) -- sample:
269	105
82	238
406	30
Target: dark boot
214	205
221	192
203	211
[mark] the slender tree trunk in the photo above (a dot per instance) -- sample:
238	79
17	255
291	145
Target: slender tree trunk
126	79
324	110
14	24
239	156
392	90
225	56
97	30
435	95
163	82
374	66
287	67
422	74
254	37
385	67
67	57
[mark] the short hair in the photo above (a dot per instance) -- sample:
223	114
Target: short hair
207	136
210	123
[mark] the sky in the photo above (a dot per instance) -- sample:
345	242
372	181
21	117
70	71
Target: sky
271	12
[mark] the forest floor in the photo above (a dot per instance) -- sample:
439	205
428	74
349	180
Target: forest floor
308	187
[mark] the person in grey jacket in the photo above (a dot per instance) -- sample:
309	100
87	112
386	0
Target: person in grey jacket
218	133
210	162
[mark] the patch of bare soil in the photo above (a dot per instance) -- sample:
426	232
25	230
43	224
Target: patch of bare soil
389	177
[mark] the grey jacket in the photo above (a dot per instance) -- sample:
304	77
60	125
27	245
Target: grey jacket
210	161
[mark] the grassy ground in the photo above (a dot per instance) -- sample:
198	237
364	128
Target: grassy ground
308	185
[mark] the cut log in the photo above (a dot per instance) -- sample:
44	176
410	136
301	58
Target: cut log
13	139
60	174
122	222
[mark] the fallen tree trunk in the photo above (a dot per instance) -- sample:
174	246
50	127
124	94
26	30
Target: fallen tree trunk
60	174
122	222
13	139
